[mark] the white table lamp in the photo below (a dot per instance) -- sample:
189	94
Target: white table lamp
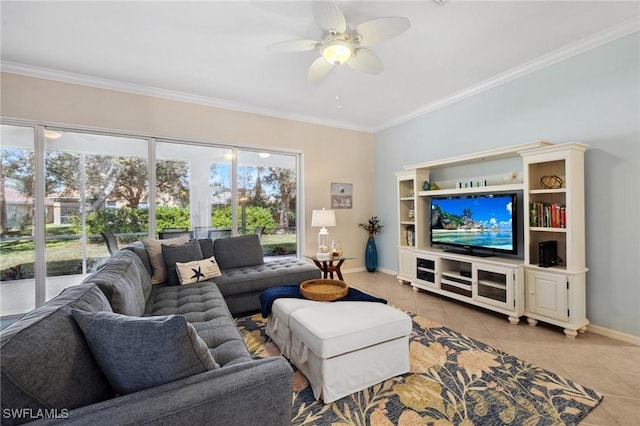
323	218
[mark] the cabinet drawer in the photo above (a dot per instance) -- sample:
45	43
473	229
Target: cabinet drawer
426	276
425	263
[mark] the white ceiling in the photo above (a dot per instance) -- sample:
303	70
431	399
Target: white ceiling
214	52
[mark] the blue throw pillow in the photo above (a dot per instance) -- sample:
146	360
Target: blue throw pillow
138	353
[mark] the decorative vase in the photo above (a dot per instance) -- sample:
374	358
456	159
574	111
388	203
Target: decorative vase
371	255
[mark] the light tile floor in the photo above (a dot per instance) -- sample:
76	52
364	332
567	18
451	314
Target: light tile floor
609	366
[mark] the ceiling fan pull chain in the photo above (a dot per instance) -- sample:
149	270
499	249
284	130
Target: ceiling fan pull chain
339	80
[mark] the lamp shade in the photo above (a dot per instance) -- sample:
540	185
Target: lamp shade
323	218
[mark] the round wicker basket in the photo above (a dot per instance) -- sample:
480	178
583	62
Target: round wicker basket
324	290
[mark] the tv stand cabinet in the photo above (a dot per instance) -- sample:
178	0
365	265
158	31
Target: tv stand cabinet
489	282
514	287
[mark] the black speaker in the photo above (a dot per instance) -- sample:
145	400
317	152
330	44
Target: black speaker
548	253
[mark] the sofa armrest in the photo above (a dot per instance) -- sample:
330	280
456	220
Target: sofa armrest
255	392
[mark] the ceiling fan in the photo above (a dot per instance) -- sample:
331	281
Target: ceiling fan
340	44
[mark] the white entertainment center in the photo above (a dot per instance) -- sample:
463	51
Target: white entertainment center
550	180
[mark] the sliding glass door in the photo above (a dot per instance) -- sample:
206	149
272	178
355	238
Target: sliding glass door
93	183
193	191
87	184
61	189
17	206
267	199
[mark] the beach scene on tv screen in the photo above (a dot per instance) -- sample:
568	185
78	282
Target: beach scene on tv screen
478	222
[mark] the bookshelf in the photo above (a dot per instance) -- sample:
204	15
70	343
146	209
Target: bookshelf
554	182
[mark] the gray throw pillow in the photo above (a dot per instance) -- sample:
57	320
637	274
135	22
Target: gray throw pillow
138	353
182	253
206	246
238	252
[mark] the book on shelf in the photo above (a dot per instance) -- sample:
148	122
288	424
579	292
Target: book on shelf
547	215
410	235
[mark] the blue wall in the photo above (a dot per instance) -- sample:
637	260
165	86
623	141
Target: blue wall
592	98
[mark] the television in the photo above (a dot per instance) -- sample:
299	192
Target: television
481	225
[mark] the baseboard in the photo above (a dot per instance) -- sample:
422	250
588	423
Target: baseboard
618	335
388	271
363	269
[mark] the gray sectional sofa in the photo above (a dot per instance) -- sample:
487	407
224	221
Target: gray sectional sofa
117	349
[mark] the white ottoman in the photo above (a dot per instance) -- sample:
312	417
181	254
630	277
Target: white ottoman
278	321
345	347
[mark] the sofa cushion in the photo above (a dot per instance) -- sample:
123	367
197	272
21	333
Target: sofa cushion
45	360
238	252
140	353
197	271
206	247
259	278
154	249
173	254
125	282
204	307
139	249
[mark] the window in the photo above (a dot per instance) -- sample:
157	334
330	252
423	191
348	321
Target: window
17	203
84	174
193	190
69	186
267	199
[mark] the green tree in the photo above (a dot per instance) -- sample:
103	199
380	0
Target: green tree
124	220
221	217
256	216
257	198
284	182
172	217
62	175
172	181
123	179
16	165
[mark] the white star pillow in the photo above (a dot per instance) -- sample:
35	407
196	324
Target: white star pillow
197	271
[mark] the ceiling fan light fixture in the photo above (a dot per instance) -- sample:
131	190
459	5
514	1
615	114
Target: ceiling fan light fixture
337	52
52	134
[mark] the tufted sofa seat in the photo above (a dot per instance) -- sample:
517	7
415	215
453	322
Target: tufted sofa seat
204	307
241	287
245	274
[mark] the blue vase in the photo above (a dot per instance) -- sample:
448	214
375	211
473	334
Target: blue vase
371	255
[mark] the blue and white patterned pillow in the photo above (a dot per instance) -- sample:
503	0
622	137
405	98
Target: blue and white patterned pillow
198	270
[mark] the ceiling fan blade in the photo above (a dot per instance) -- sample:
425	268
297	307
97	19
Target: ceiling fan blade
319	69
366	61
328	16
294	46
381	29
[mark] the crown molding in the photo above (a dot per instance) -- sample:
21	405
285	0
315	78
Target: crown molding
137	89
581	46
611	34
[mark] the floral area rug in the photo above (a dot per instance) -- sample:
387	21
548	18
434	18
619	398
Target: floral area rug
454	380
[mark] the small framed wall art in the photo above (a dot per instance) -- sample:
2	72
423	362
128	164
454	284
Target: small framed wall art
341	195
